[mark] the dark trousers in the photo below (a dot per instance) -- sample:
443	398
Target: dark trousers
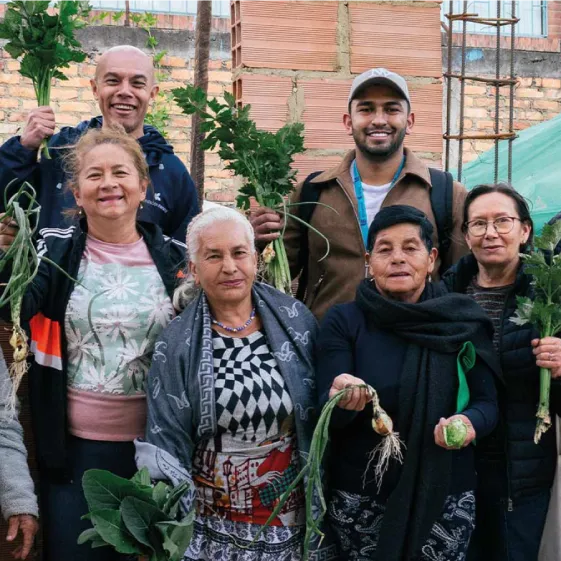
63	504
503	535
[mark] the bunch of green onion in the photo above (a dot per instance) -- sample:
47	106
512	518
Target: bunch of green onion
311	473
22	258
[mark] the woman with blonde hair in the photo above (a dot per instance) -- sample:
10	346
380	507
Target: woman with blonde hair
94	320
231	399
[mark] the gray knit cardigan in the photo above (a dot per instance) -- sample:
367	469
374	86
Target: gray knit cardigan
17	492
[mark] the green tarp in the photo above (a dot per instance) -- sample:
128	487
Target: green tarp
536	168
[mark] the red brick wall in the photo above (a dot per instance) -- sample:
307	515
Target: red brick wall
536	100
296	61
554	20
72	101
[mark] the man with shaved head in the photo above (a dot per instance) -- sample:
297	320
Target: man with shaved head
124	86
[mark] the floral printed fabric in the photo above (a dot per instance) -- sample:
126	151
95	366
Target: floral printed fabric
114	317
357	519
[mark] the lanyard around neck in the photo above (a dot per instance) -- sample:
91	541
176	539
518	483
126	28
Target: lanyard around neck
359	192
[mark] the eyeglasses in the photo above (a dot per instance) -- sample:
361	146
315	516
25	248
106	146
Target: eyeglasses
502	225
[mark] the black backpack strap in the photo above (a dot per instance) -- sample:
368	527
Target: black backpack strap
441	202
310	194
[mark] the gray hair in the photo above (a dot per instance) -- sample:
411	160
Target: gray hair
187	290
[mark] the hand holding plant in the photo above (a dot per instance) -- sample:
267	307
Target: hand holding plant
544	309
548	354
262	158
311	475
45	41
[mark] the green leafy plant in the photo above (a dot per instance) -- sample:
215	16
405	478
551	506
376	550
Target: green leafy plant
262	158
544	309
159	115
135	517
45	42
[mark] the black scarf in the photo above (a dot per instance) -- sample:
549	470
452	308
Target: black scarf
436	327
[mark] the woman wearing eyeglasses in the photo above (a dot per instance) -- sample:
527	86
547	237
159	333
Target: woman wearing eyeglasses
515	475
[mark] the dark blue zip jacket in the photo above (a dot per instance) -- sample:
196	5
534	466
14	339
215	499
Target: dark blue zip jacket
508	461
170	203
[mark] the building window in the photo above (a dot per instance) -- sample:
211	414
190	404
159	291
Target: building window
220	8
532	15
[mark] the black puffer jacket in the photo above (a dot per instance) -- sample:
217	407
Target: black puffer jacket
508	461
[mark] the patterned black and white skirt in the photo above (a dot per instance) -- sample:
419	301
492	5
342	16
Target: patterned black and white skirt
356	521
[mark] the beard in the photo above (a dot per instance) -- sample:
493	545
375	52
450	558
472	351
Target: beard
378	153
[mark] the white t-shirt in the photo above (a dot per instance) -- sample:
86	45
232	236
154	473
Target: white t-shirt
374	196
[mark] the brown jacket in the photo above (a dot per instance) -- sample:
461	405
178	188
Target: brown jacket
334	279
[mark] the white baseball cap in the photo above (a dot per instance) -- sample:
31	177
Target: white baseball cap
381	76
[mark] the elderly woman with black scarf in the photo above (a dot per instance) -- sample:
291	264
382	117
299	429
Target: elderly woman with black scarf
429	356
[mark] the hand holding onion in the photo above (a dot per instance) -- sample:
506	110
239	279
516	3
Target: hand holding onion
454	433
356	398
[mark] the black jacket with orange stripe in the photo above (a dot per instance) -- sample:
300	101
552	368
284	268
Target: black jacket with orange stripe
44	306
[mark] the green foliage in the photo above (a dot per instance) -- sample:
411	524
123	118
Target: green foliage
46	42
135	517
544	309
100	16
159	115
261	157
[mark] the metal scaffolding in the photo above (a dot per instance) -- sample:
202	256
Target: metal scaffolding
498	82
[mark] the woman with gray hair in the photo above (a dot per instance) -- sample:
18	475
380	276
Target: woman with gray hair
231	398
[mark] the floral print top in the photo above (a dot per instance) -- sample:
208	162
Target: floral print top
115	314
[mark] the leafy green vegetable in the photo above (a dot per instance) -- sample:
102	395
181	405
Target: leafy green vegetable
135	517
46	42
140	519
544	309
111	529
104	490
177	536
261	157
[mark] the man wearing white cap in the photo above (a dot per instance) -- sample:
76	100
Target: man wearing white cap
380	172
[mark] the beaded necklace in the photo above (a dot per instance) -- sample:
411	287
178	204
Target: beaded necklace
235	329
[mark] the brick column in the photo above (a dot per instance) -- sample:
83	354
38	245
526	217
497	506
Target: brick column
295	61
